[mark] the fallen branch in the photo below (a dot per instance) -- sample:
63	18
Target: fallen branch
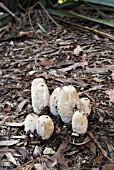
86	29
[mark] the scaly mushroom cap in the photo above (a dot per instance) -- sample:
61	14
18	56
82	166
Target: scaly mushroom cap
79	122
40	97
30	123
35	82
54	100
45	127
68	101
85	105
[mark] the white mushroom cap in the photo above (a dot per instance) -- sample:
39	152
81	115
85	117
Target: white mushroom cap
85	105
35	82
45	127
79	122
40	97
67	102
54	100
30	123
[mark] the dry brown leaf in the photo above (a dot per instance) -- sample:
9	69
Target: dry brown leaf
73	66
112	75
77	50
14	124
109	166
58	157
110	147
8	142
7	107
10	158
22	33
98	159
111	95
38	166
46	62
21	105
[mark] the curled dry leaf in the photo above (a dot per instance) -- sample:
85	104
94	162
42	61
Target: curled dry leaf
14	124
68	101
45	127
77	50
10	158
58	157
21	105
109	166
8	142
79	122
111	95
112	75
30	123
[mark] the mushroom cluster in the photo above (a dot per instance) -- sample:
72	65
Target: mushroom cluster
63	102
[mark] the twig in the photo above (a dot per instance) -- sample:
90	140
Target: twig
23	165
79	144
87	29
46	13
33	27
7	10
104	153
49	15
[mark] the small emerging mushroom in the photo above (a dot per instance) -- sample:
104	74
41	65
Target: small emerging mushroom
40	97
54	101
79	122
35	82
45	127
85	105
30	123
68	102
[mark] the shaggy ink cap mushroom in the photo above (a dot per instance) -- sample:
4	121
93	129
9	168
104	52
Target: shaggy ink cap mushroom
68	101
40	97
44	127
54	101
79	122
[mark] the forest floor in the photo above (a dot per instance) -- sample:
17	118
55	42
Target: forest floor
62	56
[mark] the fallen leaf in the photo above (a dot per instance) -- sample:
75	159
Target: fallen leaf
73	66
110	147
112	75
111	95
109	166
8	142
98	80
38	166
14	124
77	50
21	105
48	151
22	33
98	159
46	62
58	157
23	152
7	107
10	158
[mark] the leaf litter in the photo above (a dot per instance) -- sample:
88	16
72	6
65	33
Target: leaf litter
62	57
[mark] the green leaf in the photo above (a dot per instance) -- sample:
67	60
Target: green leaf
75	15
69	4
102	2
41	28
